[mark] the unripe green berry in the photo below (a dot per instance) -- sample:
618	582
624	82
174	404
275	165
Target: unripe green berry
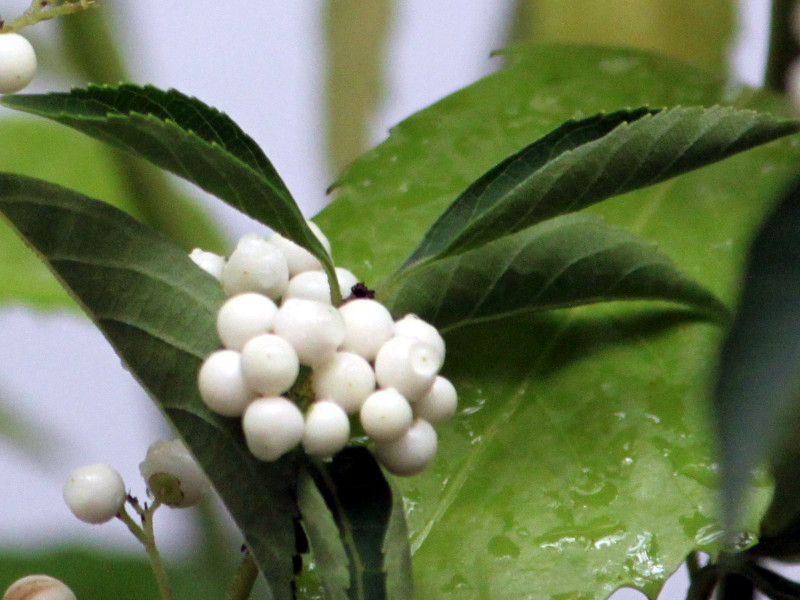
95	493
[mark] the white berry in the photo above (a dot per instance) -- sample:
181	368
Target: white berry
298	258
173	475
208	261
314	329
411	453
407	365
95	493
222	385
243	317
272	427
17	63
327	429
413	327
313	285
439	404
269	364
386	415
347	379
38	587
368	325
255	266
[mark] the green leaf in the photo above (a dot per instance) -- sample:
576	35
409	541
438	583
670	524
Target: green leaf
758	380
566	261
188	138
158	310
581	459
371	527
583	163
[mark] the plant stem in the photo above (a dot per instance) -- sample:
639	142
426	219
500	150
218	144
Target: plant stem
783	47
245	579
43	11
146	536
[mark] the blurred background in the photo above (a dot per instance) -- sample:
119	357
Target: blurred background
314	82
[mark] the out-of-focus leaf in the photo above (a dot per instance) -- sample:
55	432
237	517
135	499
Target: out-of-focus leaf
158	310
581	459
566	261
188	138
758	379
696	33
583	163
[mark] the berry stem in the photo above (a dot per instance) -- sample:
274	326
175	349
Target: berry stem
146	536
245	579
43	10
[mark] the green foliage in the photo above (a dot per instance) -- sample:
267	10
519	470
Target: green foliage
581	460
158	310
188	138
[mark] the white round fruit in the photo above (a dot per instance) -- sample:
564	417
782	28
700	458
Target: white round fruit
327	429
439	404
272	427
315	330
347	379
39	587
313	285
255	266
298	258
243	317
269	364
407	365
17	63
221	383
95	493
386	415
411	453
368	325
413	327
208	261
173	475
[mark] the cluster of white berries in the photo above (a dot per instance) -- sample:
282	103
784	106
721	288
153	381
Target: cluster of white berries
96	493
278	324
17	63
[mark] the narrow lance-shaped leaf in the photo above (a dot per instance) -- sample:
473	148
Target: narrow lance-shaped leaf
567	261
371	525
758	379
158	310
643	149
188	138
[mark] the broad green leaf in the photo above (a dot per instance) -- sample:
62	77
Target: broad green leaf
566	261
184	136
758	379
370	526
41	149
566	171
158	310
580	460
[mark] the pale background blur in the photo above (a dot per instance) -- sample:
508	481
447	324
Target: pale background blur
262	63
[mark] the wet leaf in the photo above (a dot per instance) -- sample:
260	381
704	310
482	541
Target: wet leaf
158	310
583	163
580	460
566	261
